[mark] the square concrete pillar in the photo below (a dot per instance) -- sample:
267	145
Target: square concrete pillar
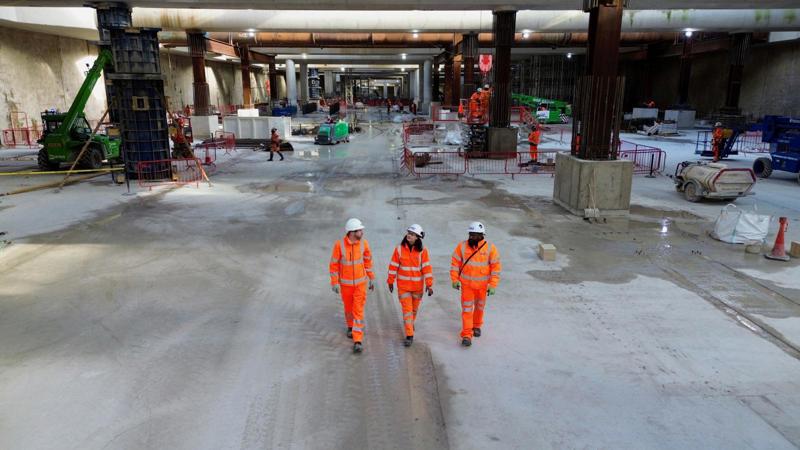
203	127
581	184
502	140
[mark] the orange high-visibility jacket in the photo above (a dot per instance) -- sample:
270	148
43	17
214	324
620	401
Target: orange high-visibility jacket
410	267
717	135
351	263
482	269
534	137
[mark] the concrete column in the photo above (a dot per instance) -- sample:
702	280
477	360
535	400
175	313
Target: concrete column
421	83
426	87
291	83
244	57
503	28
197	50
303	83
448	83
435	97
456	82
329	82
385	91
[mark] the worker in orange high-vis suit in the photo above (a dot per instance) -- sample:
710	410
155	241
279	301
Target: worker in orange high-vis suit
351	273
533	141
475	112
717	138
411	267
475	270
486	100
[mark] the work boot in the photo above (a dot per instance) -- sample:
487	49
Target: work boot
476	332
409	340
357	347
350	332
466	342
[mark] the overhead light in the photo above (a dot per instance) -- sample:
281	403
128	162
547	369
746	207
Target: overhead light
569	55
250	30
688	33
305	56
402	69
415	34
403	56
342	69
526	34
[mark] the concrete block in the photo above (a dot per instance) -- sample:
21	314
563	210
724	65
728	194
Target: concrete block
547	252
204	127
581	184
645	113
502	140
684	118
794	249
249	112
257	127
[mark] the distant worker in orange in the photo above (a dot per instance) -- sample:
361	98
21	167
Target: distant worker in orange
486	99
180	144
411	267
275	144
475	105
717	140
650	104
475	270
534	138
351	271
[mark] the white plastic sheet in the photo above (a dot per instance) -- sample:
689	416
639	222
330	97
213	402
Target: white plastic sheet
737	226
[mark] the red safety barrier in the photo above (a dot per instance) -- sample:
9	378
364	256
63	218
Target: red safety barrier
16	137
646	160
416	134
169	171
228	140
483	163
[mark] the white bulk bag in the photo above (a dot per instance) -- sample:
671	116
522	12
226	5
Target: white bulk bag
736	226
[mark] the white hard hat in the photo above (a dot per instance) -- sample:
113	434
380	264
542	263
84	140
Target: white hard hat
416	229
353	225
718	124
486	86
477	227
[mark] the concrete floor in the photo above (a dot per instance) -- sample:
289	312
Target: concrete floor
202	317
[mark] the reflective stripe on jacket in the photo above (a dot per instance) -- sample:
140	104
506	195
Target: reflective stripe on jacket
411	268
351	263
481	270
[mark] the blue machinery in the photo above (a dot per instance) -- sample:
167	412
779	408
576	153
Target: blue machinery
783	135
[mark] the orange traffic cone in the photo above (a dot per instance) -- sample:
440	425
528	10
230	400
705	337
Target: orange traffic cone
779	250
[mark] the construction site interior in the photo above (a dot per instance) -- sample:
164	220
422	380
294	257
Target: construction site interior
222	221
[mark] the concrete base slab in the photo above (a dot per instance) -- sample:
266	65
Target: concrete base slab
203	127
248	112
580	184
502	140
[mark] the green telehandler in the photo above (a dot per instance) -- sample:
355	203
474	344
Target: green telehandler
65	134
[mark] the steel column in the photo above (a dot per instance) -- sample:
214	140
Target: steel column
503	28
740	47
197	50
469	48
244	57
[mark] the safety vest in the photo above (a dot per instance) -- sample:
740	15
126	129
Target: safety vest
534	138
351	263
479	270
411	268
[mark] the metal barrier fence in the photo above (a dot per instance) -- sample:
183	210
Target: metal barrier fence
460	163
746	142
418	134
646	159
16	137
169	171
228	140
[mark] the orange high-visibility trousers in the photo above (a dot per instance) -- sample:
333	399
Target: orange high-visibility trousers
409	301
473	302
534	150
354	298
